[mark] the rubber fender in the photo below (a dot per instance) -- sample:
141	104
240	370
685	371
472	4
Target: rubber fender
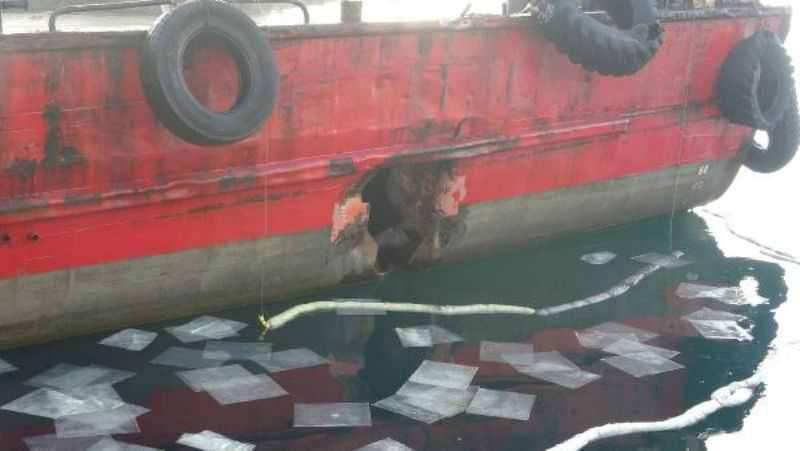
784	139
616	51
756	82
162	73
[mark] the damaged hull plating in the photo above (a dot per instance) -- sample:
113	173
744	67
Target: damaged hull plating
390	145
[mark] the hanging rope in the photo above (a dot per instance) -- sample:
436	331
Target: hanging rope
732	395
295	312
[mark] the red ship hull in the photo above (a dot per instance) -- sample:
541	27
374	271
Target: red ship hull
107	219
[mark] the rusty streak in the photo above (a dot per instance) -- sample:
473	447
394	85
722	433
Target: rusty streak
55	153
23	169
341	167
232	182
80	199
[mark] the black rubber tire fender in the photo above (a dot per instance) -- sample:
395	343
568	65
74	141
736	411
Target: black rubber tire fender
162	73
755	82
516	6
784	139
617	51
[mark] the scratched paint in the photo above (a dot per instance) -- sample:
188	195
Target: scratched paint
489	94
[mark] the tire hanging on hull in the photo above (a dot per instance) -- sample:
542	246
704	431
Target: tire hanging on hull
756	89
616	51
784	140
172	101
755	82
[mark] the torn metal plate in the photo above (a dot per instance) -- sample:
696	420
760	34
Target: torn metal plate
502	404
332	415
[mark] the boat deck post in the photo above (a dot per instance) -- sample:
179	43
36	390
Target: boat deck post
5	4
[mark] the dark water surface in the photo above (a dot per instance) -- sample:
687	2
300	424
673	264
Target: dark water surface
370	364
746	239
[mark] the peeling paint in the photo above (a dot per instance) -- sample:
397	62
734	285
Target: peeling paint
80	199
490	104
341	167
452	192
424	44
23	170
231	182
56	154
206	209
353	250
352	212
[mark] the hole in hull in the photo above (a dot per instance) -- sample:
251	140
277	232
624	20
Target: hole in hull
397	241
398	216
408	205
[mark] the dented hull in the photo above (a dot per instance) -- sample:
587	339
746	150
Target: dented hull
99	297
390	145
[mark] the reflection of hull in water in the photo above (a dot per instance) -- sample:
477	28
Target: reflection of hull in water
468	138
558	413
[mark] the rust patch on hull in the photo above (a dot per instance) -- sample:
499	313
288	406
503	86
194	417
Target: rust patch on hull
23	170
56	154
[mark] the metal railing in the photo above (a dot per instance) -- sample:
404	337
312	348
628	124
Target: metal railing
8	4
78	9
297	3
